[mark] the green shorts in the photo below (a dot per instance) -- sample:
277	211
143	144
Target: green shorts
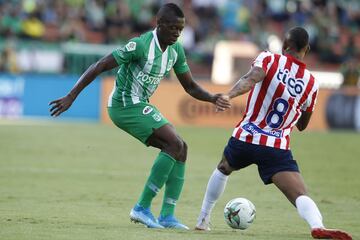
139	120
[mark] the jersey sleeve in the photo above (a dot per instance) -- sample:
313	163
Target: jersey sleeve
131	51
263	60
180	65
309	104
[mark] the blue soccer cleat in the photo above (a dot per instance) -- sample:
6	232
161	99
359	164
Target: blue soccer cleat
171	222
143	215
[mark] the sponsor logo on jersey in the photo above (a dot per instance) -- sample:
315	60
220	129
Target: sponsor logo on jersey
147	110
157	117
294	86
146	78
253	129
130	46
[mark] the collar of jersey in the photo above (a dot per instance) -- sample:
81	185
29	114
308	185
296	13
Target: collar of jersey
297	61
157	41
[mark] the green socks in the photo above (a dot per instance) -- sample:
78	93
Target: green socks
173	189
159	174
165	170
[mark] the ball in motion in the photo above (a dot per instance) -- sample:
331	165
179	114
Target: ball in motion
239	213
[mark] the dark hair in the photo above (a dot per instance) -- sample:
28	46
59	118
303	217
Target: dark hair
170	8
297	38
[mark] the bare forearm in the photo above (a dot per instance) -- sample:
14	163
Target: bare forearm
199	93
242	86
301	126
194	89
86	78
60	105
303	121
247	82
104	64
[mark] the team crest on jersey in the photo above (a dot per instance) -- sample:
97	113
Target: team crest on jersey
169	65
157	117
147	110
130	46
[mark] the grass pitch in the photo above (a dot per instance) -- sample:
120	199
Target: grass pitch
79	181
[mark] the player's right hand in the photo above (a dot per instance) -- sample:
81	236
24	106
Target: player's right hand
60	105
222	102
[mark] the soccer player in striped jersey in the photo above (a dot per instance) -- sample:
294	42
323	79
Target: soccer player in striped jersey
282	95
143	62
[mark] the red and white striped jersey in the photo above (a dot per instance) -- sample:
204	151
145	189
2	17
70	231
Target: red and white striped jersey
274	105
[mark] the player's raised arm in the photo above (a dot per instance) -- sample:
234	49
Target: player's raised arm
60	105
195	90
247	82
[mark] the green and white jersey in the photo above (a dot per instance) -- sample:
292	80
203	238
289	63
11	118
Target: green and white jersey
142	66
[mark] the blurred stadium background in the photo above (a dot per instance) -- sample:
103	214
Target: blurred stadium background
45	45
51	190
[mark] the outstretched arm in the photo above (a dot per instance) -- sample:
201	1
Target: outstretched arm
196	91
247	82
60	105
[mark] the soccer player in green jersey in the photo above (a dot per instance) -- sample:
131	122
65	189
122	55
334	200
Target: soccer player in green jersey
143	62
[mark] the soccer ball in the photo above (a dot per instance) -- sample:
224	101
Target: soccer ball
239	213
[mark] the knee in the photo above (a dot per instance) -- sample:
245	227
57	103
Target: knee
177	146
185	148
182	151
224	168
183	156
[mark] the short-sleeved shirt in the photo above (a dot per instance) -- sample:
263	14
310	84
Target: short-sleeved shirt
275	104
142	66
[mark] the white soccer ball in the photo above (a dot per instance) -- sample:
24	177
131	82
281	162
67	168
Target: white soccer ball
239	213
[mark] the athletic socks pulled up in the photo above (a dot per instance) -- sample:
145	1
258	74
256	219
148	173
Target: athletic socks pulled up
308	210
173	188
214	190
159	174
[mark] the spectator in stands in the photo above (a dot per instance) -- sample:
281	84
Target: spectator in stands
351	73
95	14
333	25
33	27
10	23
118	22
8	60
73	27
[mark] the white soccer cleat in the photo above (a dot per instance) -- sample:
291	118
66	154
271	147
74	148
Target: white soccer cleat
203	224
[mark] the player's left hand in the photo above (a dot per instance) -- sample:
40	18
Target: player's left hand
60	105
222	102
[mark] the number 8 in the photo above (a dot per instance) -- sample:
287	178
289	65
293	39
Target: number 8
277	111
